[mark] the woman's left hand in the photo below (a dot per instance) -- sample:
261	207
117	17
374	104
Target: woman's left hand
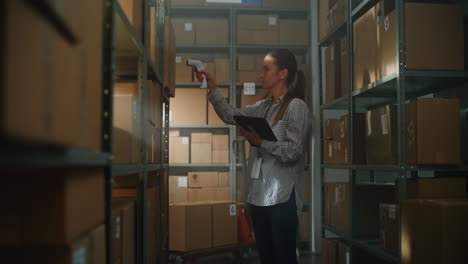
250	134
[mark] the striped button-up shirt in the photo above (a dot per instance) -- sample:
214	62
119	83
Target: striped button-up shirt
282	166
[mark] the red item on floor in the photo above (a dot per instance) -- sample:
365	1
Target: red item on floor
244	233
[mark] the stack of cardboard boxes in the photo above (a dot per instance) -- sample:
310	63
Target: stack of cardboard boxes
57	217
205	148
201	214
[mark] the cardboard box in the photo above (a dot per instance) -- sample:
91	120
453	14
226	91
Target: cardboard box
337	13
179	150
359	143
185	31
66	203
252	99
190	227
123	229
202	138
213	118
443	236
212	31
224	224
324	25
204	194
154	39
133	9
202	179
248	76
436	188
220	142
327	152
304	227
291	4
294	32
183	72
258	29
374	47
220	156
344	67
332	82
433	131
187	2
329	251
223	194
366	206
330	125
389	227
223	70
188	107
224	179
178	192
201	153
381	136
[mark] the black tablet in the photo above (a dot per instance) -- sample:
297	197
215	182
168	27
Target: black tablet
260	125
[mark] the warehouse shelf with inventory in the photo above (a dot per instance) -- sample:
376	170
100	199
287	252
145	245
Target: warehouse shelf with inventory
378	125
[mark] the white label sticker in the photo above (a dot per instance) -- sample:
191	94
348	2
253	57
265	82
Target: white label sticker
384	120
232	210
249	88
79	256
185	140
330	150
188	26
178	59
170	115
272	20
387	24
342	129
347	257
369	123
117	227
182	182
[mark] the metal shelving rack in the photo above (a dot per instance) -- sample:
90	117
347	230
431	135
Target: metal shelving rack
122	40
232	49
396	88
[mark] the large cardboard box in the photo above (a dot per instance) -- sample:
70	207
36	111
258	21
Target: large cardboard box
374	42
220	156
330	129
224	224
154	39
178	192
134	11
332	82
213	118
294	32
344	67
381	136
64	203
185	31
190	227
202	138
223	70
290	4
389	227
202	179
257	29
212	31
201	153
433	131
329	251
436	188
179	150
188	107
248	76
434	231
359	142
123	230
183	72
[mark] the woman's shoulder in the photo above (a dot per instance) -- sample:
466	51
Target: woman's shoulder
298	103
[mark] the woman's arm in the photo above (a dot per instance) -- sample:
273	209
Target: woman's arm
296	132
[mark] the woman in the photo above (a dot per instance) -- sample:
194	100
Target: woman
274	195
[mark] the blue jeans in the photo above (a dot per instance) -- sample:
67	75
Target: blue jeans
275	229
